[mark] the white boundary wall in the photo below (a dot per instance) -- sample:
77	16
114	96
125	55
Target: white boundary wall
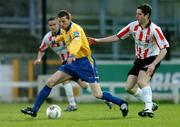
6	90
159	91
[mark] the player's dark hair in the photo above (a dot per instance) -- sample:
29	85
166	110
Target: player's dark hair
146	9
63	13
51	18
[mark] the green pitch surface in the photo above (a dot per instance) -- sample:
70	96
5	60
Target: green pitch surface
91	115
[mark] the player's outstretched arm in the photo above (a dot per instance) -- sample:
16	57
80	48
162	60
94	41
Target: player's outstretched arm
92	41
39	57
101	40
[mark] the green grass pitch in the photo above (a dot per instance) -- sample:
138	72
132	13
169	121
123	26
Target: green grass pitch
91	115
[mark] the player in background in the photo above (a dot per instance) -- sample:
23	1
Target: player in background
79	65
150	47
61	50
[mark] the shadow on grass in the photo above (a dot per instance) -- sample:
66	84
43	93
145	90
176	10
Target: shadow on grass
105	118
29	119
25	119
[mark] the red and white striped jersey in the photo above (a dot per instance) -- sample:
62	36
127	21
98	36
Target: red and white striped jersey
60	48
148	41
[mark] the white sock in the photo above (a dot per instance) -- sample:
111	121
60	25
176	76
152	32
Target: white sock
139	95
147	94
69	93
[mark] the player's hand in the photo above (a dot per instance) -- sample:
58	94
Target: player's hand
150	69
37	61
63	62
92	41
71	59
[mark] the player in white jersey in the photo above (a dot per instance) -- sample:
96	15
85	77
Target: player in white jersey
150	47
61	50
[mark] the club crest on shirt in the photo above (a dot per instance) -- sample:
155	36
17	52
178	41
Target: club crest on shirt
76	34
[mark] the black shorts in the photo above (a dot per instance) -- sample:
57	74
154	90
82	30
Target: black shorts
139	64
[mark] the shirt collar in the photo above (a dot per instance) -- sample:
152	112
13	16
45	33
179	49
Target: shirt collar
57	33
149	23
69	26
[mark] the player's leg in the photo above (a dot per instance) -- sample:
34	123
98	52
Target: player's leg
68	87
84	85
131	84
132	88
143	83
97	92
55	79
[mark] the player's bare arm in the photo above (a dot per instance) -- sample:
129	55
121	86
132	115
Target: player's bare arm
159	58
101	40
39	57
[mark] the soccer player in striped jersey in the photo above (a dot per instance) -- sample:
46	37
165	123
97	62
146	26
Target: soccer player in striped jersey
80	65
150	46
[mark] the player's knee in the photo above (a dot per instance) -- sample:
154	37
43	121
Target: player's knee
83	84
141	83
51	82
127	89
98	95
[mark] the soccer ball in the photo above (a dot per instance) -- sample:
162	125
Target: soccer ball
53	112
